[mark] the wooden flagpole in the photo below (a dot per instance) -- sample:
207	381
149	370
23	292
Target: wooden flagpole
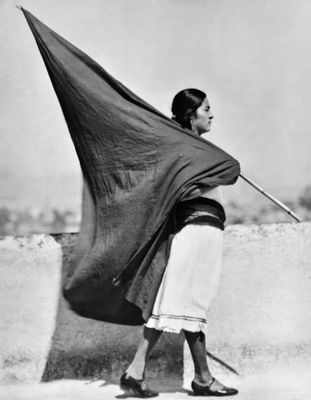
276	201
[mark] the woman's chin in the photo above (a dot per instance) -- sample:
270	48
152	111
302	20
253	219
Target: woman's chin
206	131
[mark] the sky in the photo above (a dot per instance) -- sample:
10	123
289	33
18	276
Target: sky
252	58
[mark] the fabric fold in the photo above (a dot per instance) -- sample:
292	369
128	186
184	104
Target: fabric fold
137	164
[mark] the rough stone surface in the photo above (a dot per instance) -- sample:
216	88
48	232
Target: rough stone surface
261	317
30	271
83	347
259	337
280	384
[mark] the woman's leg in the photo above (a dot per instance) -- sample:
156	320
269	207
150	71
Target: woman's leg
197	345
137	368
196	342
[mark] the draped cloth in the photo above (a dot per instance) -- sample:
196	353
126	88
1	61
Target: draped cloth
137	165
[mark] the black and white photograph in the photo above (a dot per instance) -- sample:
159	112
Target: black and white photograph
155	203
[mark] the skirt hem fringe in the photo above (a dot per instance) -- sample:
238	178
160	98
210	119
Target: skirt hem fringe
177	325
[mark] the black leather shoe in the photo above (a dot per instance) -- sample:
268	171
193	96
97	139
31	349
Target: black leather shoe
207	391
135	385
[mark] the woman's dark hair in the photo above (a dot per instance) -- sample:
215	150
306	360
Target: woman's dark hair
185	104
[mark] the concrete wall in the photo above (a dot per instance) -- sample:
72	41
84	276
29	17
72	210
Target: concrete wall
33	313
30	273
260	318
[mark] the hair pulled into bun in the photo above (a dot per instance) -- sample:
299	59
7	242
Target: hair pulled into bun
185	104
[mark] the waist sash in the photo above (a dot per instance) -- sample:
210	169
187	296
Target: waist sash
200	209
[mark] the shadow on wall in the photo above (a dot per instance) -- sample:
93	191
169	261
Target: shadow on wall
85	348
260	317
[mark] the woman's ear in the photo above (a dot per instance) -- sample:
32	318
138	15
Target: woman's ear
193	127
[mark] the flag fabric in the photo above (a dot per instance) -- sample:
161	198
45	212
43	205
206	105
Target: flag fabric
137	165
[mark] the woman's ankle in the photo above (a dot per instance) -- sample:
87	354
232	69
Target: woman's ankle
203	378
135	373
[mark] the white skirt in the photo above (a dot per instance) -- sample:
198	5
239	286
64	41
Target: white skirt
190	280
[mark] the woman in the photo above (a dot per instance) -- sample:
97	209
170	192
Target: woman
102	282
184	307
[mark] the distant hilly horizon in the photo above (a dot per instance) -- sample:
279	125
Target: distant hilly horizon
251	60
64	192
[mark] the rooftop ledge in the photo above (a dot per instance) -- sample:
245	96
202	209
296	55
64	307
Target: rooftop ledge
261	317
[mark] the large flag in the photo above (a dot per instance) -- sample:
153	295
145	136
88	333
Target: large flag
137	164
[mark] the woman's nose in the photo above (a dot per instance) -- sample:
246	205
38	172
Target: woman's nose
211	116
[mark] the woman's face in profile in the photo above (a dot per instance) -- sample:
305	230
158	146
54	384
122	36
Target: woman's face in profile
203	119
